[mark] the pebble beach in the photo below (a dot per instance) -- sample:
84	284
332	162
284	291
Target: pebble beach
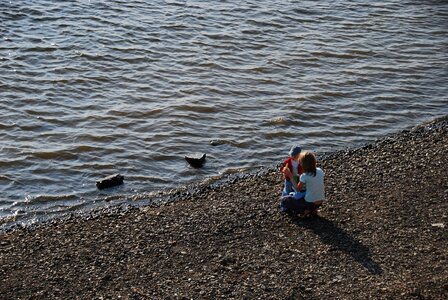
382	234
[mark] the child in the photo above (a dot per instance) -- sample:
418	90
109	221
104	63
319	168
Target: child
313	180
291	170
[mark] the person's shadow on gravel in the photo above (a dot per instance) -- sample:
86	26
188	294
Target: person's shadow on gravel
332	235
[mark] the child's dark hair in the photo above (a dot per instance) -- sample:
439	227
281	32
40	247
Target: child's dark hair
308	162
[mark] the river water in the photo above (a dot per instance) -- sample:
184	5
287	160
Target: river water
92	88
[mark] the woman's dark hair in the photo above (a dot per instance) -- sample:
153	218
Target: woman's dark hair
308	162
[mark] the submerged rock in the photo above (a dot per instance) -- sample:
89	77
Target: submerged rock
196	160
217	142
109	181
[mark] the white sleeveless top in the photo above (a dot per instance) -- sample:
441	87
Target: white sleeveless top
315	189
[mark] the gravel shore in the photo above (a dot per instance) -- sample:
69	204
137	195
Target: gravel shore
382	234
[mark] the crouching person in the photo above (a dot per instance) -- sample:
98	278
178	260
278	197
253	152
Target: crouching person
312	180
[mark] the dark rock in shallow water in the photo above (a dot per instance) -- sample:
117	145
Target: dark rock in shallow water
196	160
217	142
109	181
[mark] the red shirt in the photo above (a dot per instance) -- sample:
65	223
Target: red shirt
288	164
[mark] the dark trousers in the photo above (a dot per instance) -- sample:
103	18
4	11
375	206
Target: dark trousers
298	206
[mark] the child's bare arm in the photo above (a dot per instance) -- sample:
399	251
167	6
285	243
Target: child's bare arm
287	173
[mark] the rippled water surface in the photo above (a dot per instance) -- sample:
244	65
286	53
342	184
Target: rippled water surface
92	88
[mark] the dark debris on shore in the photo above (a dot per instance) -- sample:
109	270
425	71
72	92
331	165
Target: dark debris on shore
382	234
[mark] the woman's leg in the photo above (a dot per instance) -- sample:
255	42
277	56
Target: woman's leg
311	208
288	203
